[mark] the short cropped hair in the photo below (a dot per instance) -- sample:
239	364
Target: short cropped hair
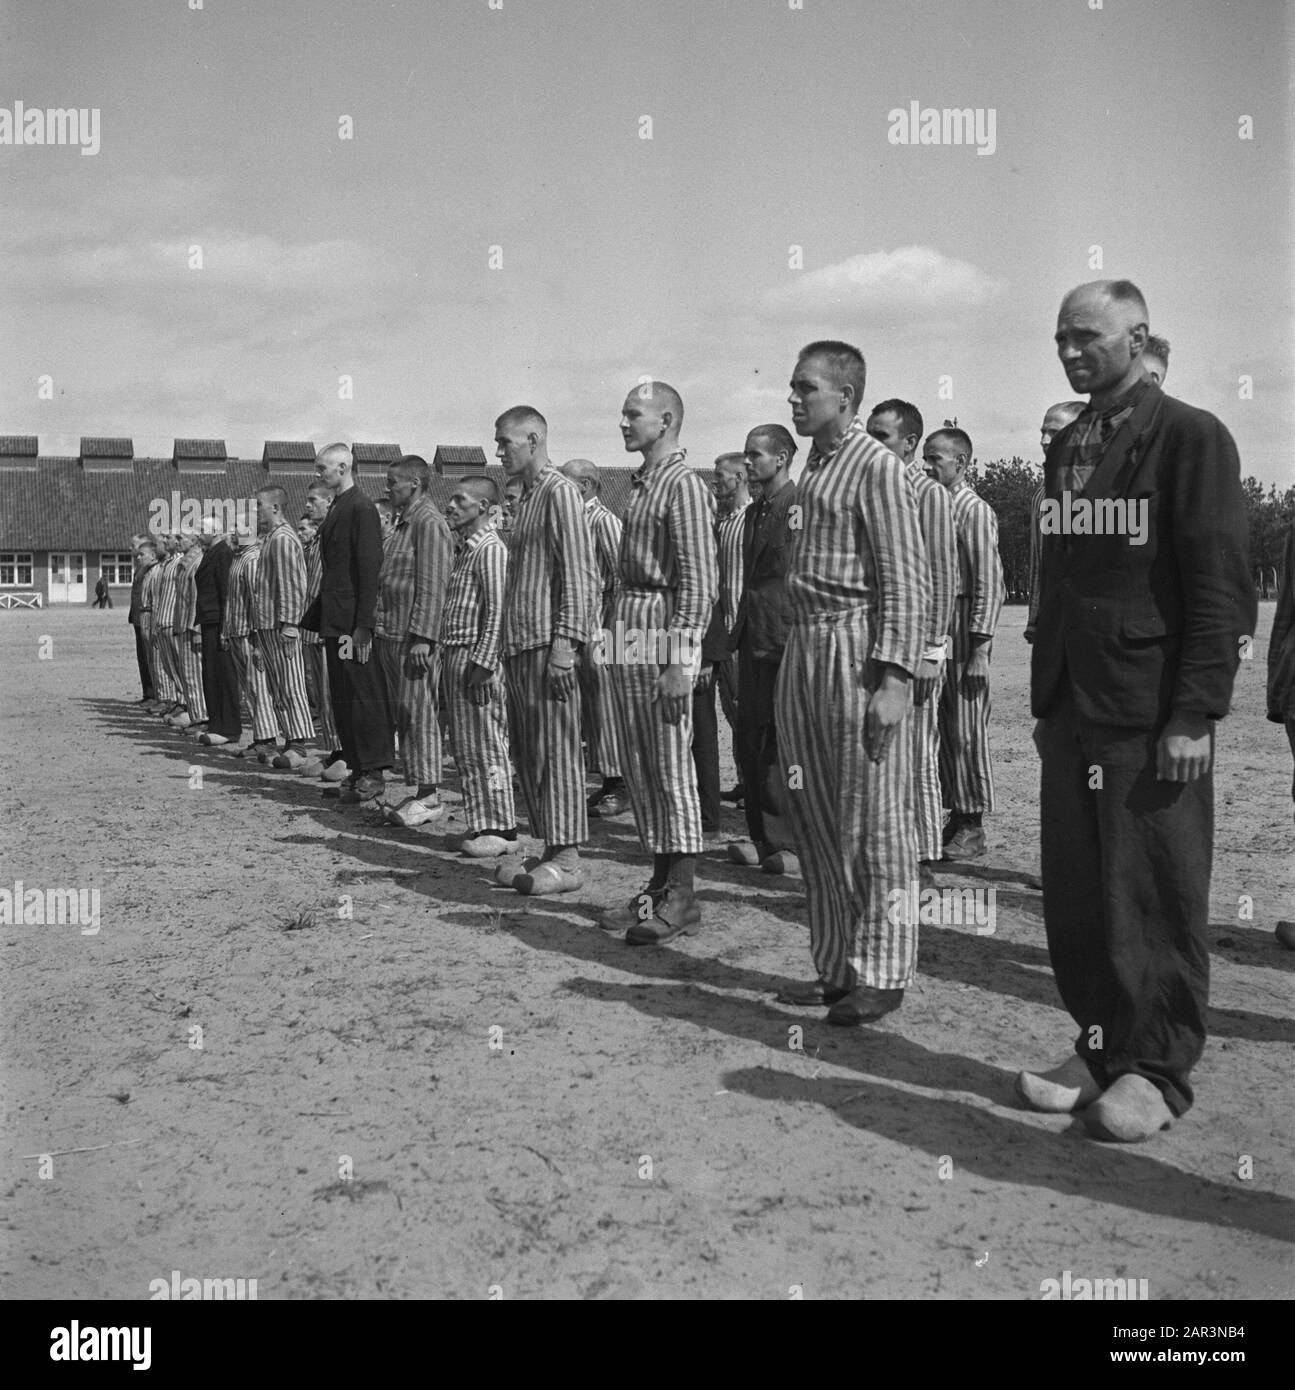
908	415
1157	347
845	361
277	495
484	489
733	462
524	415
779	436
1126	292
414	469
961	439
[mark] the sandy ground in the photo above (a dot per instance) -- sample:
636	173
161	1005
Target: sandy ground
643	1126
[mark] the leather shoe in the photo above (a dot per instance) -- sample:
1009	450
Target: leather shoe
864	1005
816	992
968	842
677	914
640	908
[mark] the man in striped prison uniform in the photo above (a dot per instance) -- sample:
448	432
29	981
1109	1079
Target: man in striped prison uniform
188	635
236	635
732	499
143	559
548	604
219	678
328	762
277	611
1054	421
472	685
150	554
163	639
759	635
597	717
506	523
898	425
666	597
966	769
411	590
859	595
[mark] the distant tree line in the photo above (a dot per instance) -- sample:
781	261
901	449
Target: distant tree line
1009	484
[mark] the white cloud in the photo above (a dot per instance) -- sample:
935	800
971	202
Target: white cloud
915	282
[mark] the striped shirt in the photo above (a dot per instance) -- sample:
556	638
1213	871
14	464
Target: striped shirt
186	591
729	533
416	561
280	580
551	572
859	545
980	570
605	527
935	515
242	592
1034	575
314	553
148	588
668	542
164	607
473	614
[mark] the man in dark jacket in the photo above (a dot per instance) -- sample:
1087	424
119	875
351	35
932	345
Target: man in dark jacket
760	631
145	559
219	674
350	541
1146	601
1281	674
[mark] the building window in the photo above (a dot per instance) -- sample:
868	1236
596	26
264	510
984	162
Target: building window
116	566
15	569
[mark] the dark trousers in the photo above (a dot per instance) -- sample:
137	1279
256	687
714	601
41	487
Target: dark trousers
141	660
1126	891
360	709
755	741
220	686
705	755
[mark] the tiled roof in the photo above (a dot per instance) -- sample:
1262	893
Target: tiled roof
288	450
200	449
376	453
18	445
459	456
96	447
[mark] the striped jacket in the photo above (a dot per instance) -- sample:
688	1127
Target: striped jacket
242	592
148	588
280	580
186	592
669	543
940	536
859	546
416	563
980	569
730	534
551	574
605	528
164	606
473	615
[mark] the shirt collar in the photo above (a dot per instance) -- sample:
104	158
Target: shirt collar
645	470
818	457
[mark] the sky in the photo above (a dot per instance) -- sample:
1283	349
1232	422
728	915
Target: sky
497	230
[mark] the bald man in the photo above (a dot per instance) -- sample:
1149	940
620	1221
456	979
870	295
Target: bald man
350	540
597	716
667	594
1142	618
966	763
1055	419
898	425
552	583
859	595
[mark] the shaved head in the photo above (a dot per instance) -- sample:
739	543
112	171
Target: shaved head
844	364
276	496
318	488
482	488
732	463
523	418
583	471
336	454
1122	295
413	469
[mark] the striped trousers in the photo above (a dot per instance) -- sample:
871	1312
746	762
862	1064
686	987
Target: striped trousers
189	664
544	736
598	717
164	670
285	674
479	734
412	703
312	655
966	771
252	683
927	807
851	818
656	757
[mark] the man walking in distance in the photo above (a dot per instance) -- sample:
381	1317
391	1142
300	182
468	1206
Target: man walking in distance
898	425
547	609
188	635
472	687
328	763
1141	625
759	633
145	559
966	769
219	676
350	542
597	717
411	590
667	591
278	606
1056	418
236	637
859	597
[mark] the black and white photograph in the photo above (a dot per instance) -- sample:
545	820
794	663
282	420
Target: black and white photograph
647	653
